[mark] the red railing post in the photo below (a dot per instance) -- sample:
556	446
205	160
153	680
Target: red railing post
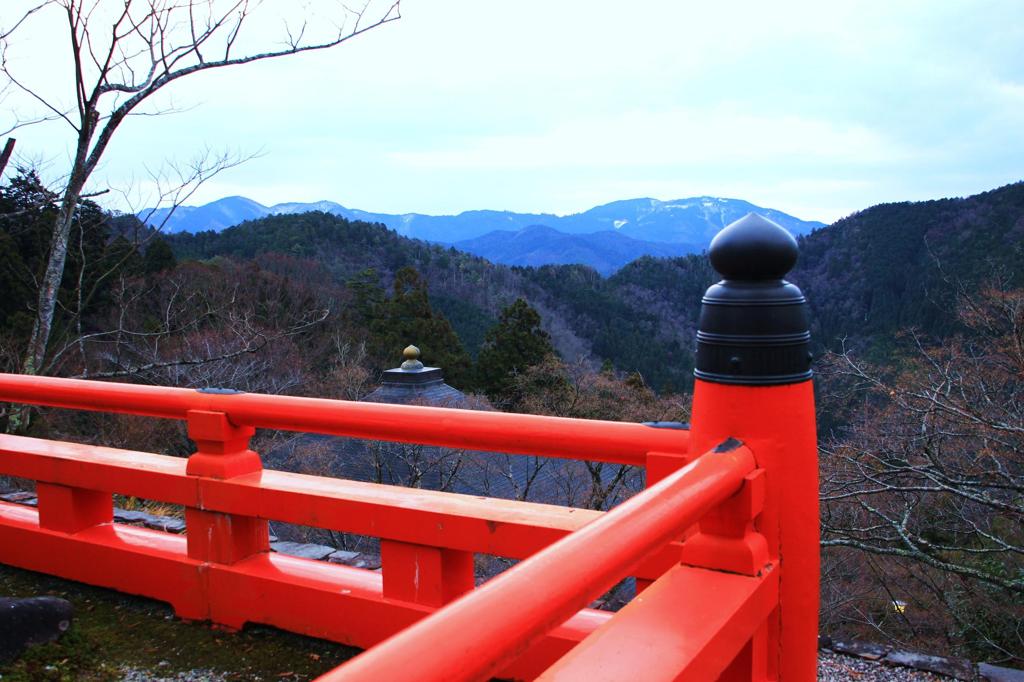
432	576
70	510
658	466
753	384
222	452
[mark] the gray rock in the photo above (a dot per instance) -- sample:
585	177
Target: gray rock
19	497
953	667
31	621
871	652
165	523
995	673
342	557
304	551
126	516
195	675
371	562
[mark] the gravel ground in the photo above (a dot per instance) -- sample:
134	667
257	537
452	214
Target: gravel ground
831	668
838	668
197	675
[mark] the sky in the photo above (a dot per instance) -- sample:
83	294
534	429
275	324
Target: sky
815	108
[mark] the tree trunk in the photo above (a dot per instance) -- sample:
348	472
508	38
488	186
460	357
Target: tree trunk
35	354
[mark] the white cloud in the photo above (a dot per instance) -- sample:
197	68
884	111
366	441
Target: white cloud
680	137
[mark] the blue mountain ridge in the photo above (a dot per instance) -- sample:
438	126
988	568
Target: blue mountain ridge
605	251
605	237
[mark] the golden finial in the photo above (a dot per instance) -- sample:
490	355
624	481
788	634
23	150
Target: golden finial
412	358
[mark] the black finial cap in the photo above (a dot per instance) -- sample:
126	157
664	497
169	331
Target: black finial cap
753	327
753	248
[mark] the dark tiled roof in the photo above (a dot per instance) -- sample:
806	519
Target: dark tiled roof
417	386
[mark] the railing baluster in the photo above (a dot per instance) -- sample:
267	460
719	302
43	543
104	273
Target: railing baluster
432	576
69	510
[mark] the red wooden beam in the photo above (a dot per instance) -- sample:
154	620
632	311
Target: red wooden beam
688	625
594	440
446	520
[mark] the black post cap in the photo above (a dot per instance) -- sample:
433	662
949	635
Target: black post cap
753	327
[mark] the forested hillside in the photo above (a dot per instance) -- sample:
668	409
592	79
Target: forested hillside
585	314
866	277
902	265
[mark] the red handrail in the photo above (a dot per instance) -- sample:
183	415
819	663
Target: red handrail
476	635
605	441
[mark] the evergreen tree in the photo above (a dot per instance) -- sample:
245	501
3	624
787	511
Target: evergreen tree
26	210
26	206
159	257
407	318
123	257
367	296
513	345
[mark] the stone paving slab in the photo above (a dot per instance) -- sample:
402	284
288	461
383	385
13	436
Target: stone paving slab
19	497
995	673
304	551
342	557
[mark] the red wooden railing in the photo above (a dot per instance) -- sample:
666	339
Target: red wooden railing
517	624
723	543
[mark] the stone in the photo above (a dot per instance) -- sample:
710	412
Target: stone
342	557
956	668
995	673
34	620
18	497
126	516
871	652
370	562
303	551
169	524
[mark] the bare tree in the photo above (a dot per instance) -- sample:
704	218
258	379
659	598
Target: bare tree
196	326
123	53
929	472
576	390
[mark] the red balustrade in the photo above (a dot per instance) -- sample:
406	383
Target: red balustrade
221	570
521	623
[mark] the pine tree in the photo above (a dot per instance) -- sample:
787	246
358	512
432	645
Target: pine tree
407	318
158	257
516	343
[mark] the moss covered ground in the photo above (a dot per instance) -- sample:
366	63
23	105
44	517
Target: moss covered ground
113	633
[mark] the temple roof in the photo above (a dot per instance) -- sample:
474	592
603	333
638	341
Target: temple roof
414	384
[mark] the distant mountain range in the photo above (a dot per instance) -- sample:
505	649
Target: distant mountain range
537	245
605	237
